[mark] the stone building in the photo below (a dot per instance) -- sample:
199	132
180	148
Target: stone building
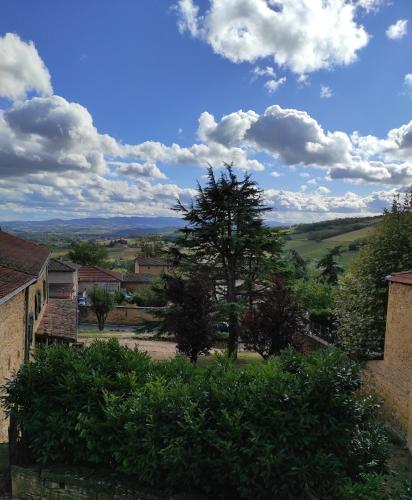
26	313
391	377
133	282
90	276
151	265
63	280
23	300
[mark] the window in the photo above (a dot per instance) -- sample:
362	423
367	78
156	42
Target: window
37	304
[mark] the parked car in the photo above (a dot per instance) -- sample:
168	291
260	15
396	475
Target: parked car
81	301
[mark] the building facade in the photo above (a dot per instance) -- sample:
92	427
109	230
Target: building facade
23	303
151	265
391	377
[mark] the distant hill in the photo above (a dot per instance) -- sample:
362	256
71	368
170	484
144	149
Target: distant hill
98	226
95	226
312	241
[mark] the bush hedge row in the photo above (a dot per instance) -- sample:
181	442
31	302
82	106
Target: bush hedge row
292	427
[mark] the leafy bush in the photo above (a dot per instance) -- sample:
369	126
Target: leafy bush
275	322
289	428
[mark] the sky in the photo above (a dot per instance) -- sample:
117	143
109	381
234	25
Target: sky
117	108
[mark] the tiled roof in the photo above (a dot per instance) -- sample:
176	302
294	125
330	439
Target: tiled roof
11	280
98	275
151	261
60	267
138	278
60	290
404	277
59	320
22	255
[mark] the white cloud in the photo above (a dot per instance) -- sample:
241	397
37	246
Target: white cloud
265	71
325	92
408	80
21	69
275	174
323	190
272	85
398	30
370	5
304	35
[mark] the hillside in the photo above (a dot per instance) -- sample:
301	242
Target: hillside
312	241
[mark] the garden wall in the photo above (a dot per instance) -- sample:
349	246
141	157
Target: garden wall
121	315
76	484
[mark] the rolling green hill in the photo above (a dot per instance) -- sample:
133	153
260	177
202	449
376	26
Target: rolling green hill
312	241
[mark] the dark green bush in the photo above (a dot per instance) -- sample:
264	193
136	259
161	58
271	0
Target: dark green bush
289	428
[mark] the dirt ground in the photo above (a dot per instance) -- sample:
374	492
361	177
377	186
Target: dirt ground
158	350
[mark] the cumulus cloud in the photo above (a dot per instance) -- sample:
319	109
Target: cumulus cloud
398	30
304	35
272	85
21	69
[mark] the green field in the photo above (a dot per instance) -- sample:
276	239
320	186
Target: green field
313	250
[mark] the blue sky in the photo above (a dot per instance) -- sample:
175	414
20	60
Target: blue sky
90	109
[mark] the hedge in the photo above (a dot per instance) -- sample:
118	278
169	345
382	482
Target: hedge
292	427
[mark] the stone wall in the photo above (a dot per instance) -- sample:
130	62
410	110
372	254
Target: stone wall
12	335
79	484
121	315
391	378
41	287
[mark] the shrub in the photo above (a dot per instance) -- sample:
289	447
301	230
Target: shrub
275	322
292	427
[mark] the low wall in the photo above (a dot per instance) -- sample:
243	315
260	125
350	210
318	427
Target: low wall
78	484
121	315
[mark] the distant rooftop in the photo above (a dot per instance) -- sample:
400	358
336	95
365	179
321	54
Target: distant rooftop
60	266
98	274
151	261
138	278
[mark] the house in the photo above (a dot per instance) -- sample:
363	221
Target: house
133	282
391	377
90	276
27	314
151	265
63	280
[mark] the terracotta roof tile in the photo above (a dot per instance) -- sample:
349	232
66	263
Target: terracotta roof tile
11	280
59	320
22	255
404	277
60	290
97	274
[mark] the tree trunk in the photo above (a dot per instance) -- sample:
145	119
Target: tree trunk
100	321
233	319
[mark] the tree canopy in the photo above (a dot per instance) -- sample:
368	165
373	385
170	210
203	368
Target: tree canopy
88	253
226	239
362	296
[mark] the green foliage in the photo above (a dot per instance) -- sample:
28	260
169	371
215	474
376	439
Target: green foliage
293	427
330	269
275	322
361	300
226	239
189	314
102	302
329	228
151	297
317	297
297	264
88	253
